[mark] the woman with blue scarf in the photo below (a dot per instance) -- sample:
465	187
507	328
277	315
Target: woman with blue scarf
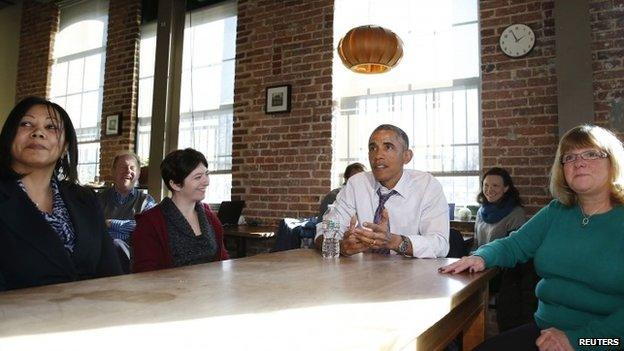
501	210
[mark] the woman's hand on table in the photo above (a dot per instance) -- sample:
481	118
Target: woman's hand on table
470	263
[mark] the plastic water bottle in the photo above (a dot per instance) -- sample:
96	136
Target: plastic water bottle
331	237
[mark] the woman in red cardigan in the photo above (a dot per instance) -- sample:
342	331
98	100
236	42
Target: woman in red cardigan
181	230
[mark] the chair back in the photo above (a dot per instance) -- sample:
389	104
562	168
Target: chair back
457	247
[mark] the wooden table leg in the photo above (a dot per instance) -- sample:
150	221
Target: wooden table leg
475	333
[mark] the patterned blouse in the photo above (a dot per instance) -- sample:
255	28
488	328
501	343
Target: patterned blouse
59	219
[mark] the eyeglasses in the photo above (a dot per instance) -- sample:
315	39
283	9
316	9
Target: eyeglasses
585	155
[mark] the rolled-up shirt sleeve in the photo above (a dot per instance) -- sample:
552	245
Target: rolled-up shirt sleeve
432	239
341	211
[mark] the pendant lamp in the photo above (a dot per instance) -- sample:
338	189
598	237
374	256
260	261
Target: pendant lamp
370	49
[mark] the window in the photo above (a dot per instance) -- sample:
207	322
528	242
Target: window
433	94
78	77
207	92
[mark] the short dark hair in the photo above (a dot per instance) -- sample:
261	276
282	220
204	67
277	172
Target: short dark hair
511	193
65	168
399	132
353	169
178	164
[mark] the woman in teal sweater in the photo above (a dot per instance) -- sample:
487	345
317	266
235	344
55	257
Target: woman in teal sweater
577	244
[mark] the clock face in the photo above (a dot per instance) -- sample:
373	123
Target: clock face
517	40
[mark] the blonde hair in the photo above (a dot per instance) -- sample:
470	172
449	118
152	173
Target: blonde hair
588	136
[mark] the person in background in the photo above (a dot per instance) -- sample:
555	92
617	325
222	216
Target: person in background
576	243
501	212
181	230
501	208
122	201
51	229
400	209
329	199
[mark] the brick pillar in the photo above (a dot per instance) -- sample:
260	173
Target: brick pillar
281	162
39	25
121	79
519	98
607	24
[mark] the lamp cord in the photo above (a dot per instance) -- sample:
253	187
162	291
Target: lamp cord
192	48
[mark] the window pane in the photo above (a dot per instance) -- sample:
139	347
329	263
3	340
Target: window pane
473	158
147	55
146	87
459	116
61	102
58	85
88	152
79	37
465	51
92	72
88	162
87	173
194	39
472	112
229	46
220	188
460	190
465	11
205	93
211	134
227	83
74	78
74	108
143	139
90	110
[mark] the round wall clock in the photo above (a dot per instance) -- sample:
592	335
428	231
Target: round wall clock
517	40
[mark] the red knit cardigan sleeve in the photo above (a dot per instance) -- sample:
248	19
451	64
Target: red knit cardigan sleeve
150	242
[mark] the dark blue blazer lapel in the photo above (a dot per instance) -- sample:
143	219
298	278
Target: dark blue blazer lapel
26	222
84	219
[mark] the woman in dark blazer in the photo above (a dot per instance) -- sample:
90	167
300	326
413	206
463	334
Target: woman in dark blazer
51	229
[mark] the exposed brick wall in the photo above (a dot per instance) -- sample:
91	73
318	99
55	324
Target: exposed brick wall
607	24
121	79
281	162
519	98
39	25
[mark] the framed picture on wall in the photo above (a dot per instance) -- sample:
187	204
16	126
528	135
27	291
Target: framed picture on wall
278	99
113	124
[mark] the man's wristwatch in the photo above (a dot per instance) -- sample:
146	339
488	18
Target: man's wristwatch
403	246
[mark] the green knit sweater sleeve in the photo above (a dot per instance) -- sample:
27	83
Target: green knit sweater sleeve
521	245
610	327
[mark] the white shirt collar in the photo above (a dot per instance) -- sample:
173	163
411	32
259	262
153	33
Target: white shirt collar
400	187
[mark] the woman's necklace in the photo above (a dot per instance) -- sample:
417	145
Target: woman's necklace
585	220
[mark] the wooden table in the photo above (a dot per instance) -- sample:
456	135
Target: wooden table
243	233
289	300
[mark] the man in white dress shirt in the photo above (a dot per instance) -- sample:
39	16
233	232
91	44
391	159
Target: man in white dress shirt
391	208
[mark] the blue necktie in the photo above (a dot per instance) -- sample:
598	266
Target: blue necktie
377	219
